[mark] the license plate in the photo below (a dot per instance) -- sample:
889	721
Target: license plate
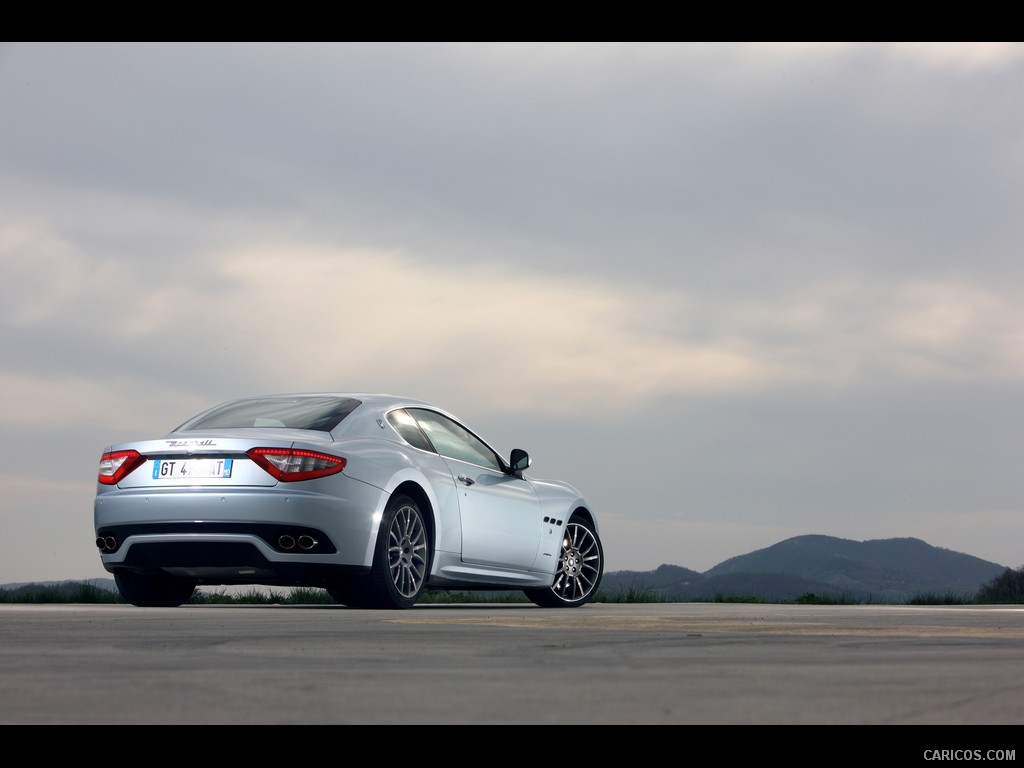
186	469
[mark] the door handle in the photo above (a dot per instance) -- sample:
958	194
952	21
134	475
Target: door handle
466	480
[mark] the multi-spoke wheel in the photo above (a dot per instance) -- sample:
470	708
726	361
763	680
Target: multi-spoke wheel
580	568
402	557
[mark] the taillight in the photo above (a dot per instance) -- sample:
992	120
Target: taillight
114	465
290	464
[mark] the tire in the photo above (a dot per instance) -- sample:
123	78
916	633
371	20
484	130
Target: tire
153	591
350	591
401	559
580	568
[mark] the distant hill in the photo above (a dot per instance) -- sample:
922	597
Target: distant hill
878	571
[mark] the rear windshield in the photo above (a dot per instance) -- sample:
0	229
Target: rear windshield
319	413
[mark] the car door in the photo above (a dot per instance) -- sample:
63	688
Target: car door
500	513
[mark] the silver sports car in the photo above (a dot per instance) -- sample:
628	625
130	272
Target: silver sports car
374	498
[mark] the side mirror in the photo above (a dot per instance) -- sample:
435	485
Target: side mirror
519	460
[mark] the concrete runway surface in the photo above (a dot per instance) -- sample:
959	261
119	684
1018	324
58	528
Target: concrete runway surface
493	664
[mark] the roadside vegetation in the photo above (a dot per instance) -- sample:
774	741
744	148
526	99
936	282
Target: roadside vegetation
1006	589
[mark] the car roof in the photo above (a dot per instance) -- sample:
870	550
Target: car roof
375	402
366	397
364	419
374	399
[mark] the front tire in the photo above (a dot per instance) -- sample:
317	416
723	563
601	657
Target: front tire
156	590
402	556
580	568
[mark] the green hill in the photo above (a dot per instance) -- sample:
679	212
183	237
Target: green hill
877	571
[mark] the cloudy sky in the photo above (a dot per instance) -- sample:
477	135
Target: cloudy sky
735	293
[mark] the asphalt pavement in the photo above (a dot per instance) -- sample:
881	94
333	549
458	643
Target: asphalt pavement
512	664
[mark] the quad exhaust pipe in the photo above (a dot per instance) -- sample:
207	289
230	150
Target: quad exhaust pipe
285	541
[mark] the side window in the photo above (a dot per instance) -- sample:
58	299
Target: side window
406	426
453	440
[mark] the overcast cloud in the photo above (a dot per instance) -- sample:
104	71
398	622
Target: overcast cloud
733	292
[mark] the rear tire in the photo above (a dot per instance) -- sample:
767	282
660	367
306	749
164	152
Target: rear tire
350	591
580	568
153	590
401	559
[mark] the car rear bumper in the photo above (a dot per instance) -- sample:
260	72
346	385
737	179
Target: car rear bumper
197	527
